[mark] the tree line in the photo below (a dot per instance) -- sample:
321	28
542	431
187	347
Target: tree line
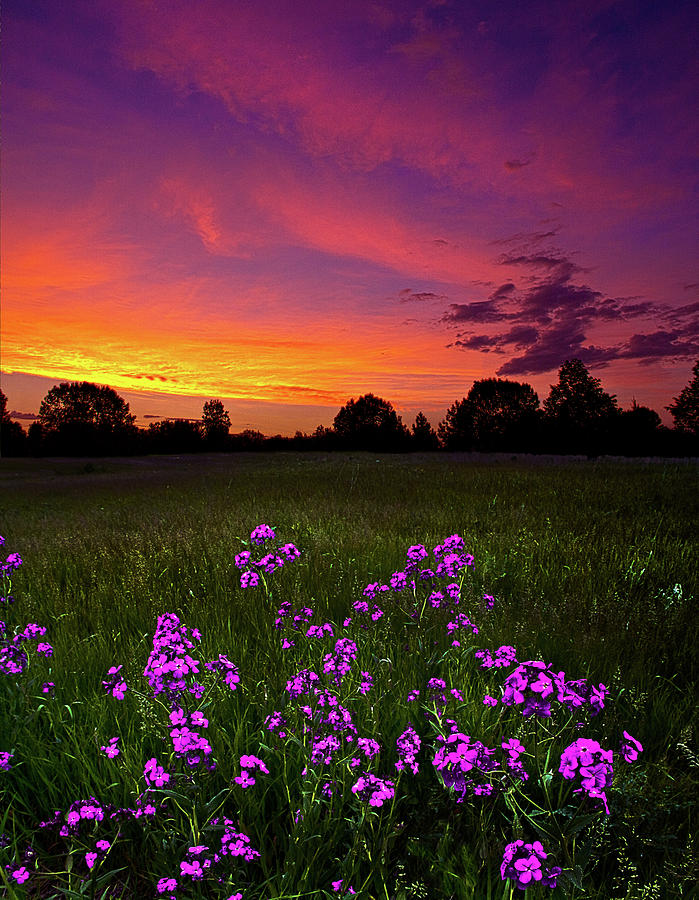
497	415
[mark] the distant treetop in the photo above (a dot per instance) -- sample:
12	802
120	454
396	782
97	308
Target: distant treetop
84	403
685	409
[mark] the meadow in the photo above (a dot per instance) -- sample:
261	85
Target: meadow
373	754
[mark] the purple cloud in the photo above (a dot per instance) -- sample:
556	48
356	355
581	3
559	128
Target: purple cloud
407	296
479	311
552	315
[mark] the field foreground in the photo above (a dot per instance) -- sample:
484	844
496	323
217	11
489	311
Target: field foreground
347	745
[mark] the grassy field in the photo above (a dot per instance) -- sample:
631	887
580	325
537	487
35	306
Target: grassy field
593	567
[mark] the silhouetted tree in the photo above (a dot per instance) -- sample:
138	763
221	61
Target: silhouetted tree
13	439
175	436
216	423
249	439
580	412
323	438
456	431
84	402
638	432
685	409
81	418
423	435
504	414
370	423
35	439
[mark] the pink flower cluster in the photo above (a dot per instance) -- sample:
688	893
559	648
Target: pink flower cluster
462	763
534	685
522	864
408	745
273	559
170	662
248	765
374	789
586	760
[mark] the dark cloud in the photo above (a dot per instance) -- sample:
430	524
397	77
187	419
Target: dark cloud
521	336
407	296
513	164
504	291
618	308
477	342
566	267
440	242
550	317
479	311
556	295
648	348
525	238
22	415
563	340
689	309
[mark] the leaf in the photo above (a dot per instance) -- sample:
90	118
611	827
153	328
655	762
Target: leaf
578	823
575	876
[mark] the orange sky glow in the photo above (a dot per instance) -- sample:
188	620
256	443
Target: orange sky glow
288	205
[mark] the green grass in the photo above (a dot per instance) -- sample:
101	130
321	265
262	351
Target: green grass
594	569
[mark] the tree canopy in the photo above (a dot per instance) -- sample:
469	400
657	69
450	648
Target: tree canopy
495	414
579	400
501	410
84	403
4	415
369	423
456	431
685	409
580	415
13	438
423	435
216	421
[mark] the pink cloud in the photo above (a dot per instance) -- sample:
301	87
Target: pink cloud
432	102
283	76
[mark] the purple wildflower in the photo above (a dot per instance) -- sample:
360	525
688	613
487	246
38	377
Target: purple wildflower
20	875
522	864
630	748
366	683
155	773
223	664
261	534
587	760
115	685
192	869
408	745
111	750
249	579
376	790
234	843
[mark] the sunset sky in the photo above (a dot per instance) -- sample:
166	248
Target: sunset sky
288	204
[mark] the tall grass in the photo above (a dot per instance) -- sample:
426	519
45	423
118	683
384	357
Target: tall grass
593	566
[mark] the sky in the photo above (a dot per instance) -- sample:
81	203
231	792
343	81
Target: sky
285	205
